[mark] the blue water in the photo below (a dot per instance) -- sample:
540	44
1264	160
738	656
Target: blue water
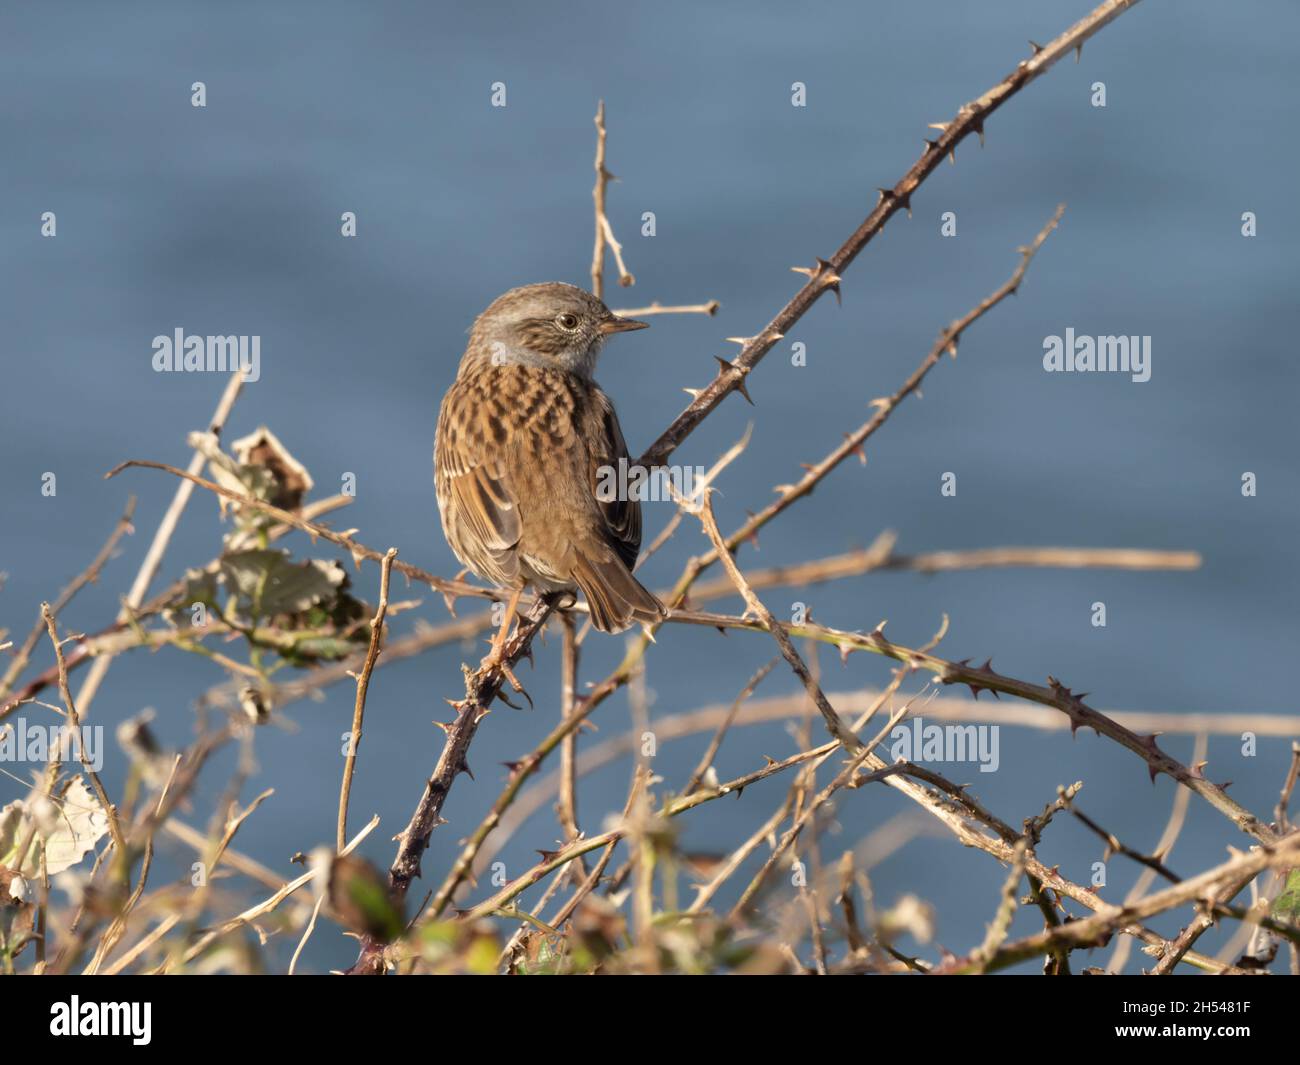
225	220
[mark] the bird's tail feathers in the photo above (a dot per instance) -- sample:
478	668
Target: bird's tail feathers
615	597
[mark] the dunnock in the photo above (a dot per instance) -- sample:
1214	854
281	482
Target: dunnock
522	436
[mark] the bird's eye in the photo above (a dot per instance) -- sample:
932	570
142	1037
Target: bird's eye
567	321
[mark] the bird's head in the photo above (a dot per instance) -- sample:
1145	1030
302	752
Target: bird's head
552	324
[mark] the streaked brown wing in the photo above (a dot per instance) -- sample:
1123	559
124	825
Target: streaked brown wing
479	510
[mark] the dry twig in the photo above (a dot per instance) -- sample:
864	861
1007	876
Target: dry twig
363	686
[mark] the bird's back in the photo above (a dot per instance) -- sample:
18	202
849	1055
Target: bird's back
518	453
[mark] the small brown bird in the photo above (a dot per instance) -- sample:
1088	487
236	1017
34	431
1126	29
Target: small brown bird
522	437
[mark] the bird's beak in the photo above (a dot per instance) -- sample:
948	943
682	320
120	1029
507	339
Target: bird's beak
615	324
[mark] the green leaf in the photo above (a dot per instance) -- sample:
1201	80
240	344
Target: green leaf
320	649
1286	907
266	583
377	914
200	587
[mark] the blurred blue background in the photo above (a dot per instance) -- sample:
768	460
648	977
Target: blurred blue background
226	220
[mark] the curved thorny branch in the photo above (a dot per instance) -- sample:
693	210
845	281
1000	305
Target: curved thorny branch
826	274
